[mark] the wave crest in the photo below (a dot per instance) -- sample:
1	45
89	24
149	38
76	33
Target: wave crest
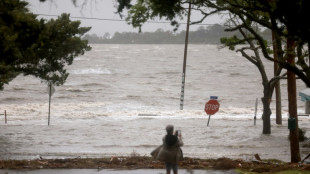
91	71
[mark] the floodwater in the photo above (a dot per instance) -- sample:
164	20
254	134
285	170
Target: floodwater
119	98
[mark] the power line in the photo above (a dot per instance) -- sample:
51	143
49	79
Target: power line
84	18
116	20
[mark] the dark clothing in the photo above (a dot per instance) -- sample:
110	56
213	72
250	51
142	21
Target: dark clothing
171	139
172	166
169	151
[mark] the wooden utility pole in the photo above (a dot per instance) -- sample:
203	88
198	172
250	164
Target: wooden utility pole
185	55
277	85
292	102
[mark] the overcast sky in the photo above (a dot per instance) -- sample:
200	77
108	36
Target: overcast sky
102	9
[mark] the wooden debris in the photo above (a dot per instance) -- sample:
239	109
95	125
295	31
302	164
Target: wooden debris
143	162
257	157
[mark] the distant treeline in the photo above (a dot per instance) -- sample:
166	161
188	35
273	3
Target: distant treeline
208	35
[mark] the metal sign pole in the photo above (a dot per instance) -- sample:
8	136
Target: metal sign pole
255	112
5	117
209	120
5	121
50	91
49	103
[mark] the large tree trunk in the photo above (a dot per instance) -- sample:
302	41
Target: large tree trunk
292	103
266	117
277	85
278	103
266	109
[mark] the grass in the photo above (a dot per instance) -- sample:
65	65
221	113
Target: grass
282	172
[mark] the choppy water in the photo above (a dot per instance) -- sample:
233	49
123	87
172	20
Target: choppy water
118	98
122	78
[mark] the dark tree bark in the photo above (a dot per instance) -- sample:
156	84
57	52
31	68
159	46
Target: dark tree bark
277	84
292	103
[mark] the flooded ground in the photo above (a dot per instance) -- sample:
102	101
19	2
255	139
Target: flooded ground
119	98
127	136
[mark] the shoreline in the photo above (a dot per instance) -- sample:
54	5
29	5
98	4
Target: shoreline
143	162
235	139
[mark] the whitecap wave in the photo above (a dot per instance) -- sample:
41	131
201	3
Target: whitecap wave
91	71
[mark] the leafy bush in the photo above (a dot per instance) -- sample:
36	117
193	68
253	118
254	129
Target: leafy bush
301	134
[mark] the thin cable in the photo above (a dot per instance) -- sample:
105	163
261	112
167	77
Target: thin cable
117	20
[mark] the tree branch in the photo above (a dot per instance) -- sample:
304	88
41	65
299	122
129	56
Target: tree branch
245	55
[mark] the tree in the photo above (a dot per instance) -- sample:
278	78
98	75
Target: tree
107	35
279	16
268	85
284	18
35	47
17	30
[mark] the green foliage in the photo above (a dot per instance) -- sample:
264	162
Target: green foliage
18	30
293	172
267	46
301	135
163	8
231	42
36	47
293	15
138	15
144	10
277	15
123	4
281	172
273	161
59	44
6	74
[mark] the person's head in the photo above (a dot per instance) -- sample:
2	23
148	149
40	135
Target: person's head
169	129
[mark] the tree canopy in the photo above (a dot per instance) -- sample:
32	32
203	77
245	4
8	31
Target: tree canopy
35	47
286	18
280	15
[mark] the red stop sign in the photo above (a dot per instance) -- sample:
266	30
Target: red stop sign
211	107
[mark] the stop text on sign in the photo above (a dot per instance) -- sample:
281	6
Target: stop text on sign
211	107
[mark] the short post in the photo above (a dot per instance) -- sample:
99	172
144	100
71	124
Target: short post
5	121
49	103
255	112
5	117
50	91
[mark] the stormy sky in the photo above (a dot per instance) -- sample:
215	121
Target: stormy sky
106	18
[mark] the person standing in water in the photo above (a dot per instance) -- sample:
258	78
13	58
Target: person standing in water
170	152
